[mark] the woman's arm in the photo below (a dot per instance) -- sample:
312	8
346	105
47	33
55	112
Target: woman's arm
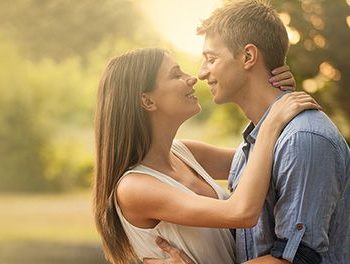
145	200
215	160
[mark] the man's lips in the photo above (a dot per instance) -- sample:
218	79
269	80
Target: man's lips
191	93
212	83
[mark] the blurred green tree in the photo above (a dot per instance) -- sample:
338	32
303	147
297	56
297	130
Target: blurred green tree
52	55
319	55
59	29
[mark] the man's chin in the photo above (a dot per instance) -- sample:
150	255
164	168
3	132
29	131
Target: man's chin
218	100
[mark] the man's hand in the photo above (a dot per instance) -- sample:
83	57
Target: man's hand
268	259
177	256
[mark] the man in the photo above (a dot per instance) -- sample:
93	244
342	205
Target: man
306	214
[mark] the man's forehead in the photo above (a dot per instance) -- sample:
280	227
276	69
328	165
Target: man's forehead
213	43
214	47
209	51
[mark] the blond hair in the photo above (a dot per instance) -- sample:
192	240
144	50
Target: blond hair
249	22
123	137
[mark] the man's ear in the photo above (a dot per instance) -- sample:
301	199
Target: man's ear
147	102
250	56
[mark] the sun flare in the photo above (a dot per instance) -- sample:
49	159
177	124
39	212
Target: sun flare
177	20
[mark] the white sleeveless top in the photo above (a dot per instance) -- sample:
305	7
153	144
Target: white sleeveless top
203	245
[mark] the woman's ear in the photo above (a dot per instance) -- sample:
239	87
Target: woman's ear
147	102
250	55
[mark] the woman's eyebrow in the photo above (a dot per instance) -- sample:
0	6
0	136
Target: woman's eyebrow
175	67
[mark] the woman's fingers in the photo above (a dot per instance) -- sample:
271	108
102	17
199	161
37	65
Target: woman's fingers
281	76
296	101
284	82
289	106
310	105
299	101
280	69
287	88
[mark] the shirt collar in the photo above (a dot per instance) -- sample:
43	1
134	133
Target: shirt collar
251	131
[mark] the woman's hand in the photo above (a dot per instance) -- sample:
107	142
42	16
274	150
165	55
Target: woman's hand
283	79
286	108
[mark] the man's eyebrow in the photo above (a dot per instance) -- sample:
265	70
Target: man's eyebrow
209	52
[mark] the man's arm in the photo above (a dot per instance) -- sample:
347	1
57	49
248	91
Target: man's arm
268	259
307	189
177	256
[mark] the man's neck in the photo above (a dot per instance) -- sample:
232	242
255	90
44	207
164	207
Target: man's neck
256	99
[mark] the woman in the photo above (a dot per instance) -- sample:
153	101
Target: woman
148	184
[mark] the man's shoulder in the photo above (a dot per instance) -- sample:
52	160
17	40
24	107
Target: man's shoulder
312	123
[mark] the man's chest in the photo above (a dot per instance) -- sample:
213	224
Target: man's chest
258	240
238	164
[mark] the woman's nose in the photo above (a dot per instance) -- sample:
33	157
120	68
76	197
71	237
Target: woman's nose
191	80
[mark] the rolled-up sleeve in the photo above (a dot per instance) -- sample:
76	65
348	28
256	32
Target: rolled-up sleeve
307	190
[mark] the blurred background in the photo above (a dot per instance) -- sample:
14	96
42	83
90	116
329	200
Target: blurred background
52	54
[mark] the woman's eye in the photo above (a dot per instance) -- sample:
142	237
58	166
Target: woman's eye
177	75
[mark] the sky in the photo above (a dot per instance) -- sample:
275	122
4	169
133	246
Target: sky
177	20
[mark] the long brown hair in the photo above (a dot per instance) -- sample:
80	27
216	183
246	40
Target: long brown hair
123	137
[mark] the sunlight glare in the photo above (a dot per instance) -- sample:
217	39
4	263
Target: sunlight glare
293	35
177	20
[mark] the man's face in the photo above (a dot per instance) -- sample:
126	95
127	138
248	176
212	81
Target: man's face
223	72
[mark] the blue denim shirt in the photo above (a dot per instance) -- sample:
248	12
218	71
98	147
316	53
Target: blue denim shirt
309	196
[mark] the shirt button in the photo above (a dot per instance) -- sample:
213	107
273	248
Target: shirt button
299	226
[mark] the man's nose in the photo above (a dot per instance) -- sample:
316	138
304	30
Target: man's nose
191	80
203	72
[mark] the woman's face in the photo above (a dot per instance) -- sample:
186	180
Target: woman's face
174	96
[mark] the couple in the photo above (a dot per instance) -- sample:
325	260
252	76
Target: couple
289	179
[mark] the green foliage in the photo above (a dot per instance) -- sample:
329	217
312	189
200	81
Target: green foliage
59	29
49	75
21	136
322	55
37	102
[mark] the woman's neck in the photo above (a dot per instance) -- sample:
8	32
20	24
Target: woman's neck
159	155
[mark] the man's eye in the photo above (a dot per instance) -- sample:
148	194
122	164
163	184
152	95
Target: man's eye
211	60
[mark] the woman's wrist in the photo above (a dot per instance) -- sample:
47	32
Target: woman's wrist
270	128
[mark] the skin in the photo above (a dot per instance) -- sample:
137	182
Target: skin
242	80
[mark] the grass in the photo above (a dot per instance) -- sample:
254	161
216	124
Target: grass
49	229
47	252
47	217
